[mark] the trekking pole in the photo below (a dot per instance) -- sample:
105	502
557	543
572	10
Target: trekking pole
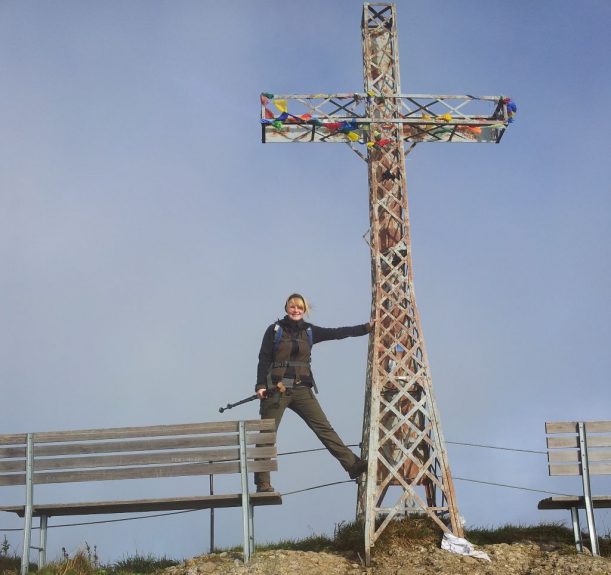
245	400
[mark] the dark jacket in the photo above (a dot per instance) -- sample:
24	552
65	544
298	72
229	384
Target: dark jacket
294	346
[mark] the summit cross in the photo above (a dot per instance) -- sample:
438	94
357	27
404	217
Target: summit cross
402	439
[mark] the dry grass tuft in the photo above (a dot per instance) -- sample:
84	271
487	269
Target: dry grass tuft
411	531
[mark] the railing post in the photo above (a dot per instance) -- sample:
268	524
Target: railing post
587	493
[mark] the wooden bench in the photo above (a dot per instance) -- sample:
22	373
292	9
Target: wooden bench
579	448
234	447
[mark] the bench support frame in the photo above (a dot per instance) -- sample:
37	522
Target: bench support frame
29	497
576	529
587	492
247	509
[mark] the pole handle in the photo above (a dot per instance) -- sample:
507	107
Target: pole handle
232	405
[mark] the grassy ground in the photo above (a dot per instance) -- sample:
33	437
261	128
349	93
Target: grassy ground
348	537
86	562
79	564
541	534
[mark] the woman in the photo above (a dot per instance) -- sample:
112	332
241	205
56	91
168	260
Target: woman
284	379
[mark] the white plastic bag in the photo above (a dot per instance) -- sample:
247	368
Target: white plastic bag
461	546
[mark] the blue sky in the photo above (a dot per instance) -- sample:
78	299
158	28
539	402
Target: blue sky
147	237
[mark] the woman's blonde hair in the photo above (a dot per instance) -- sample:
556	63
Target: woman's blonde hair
297	297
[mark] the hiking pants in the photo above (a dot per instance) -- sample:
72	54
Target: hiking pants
302	401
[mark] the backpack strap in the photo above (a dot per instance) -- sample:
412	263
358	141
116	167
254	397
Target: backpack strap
310	336
277	336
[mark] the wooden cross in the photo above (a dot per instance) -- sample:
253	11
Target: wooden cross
402	435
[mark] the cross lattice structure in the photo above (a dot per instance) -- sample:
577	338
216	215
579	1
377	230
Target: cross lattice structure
408	468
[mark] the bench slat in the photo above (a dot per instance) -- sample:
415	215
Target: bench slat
152	431
171	458
147	505
152	472
151	445
132	459
13	439
12	452
12	466
571	427
573	442
568	501
571	456
139	472
595	469
15	479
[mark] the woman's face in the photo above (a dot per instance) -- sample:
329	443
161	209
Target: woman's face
295	309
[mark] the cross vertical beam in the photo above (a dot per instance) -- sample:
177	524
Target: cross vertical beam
402	436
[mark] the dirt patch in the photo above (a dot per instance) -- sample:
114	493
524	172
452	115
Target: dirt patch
421	559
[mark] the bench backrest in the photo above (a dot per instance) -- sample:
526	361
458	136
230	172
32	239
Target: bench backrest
573	445
136	452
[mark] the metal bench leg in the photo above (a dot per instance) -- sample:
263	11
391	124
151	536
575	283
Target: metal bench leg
211	516
246	526
27	534
42	549
587	493
245	497
29	496
251	541
576	529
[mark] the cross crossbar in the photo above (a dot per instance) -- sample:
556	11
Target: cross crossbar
343	118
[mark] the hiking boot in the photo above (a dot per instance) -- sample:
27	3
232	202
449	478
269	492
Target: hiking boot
265	488
360	466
